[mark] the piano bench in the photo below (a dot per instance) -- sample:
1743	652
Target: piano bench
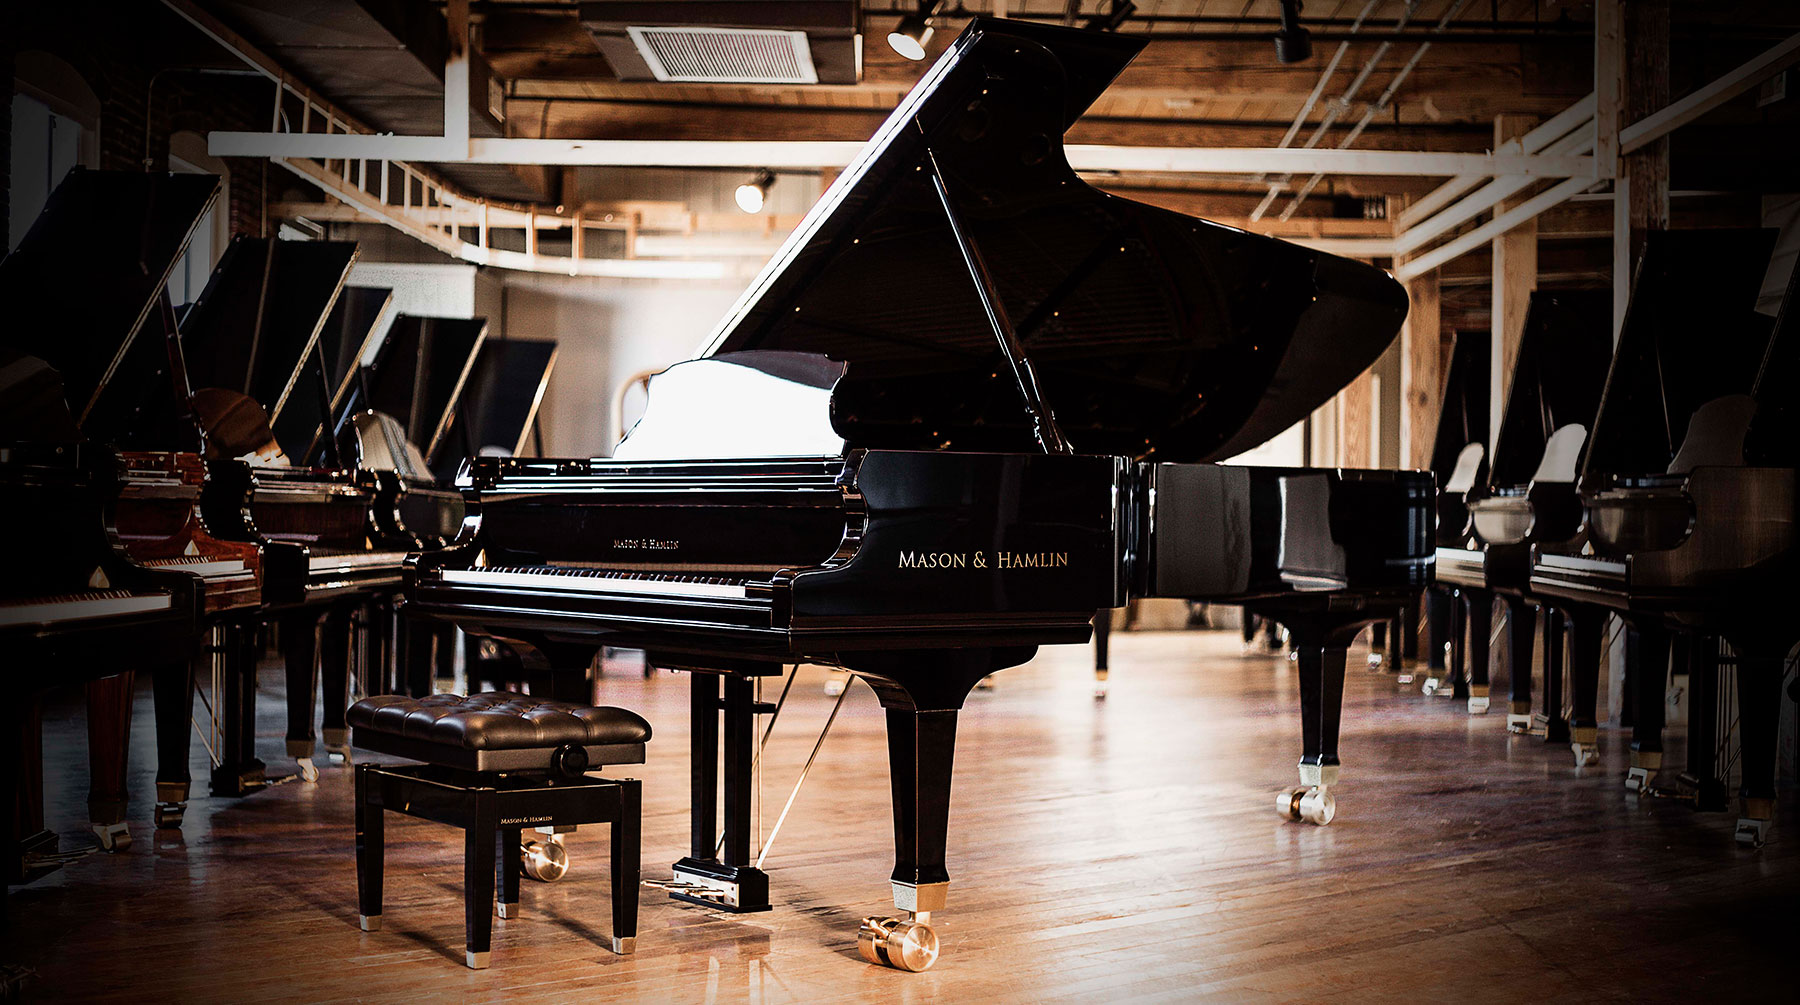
494	765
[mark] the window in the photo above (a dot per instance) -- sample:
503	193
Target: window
45	146
187	155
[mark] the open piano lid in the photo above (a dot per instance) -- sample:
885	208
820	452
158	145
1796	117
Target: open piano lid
87	276
1563	353
256	325
352	331
1691	334
1153	333
419	373
1464	417
499	402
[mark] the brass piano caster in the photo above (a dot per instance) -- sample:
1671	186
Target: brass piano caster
902	943
337	745
1586	754
545	861
1637	780
1307	804
113	837
309	772
1100	685
168	815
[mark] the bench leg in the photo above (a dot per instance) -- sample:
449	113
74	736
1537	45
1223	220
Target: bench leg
511	864
109	743
478	876
625	866
369	851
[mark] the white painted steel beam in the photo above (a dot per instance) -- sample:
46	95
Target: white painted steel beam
810	156
1656	125
1553	196
1576	116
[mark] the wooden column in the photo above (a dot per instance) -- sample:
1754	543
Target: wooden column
1641	196
1515	277
1356	440
1421	370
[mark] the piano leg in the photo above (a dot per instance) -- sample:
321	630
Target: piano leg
1102	636
1647	657
238	772
714	875
1703	774
22	789
1759	723
299	652
417	665
174	684
1556	728
1586	625
1448	663
1249	630
1521	630
1321	640
109	743
335	641
1481	627
1439	607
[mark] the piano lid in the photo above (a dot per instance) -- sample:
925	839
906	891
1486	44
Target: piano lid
419	373
356	325
1153	333
1463	419
1774	438
1691	334
90	271
1556	379
499	402
258	320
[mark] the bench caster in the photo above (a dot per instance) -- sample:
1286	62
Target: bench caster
309	772
113	837
545	861
907	943
1311	804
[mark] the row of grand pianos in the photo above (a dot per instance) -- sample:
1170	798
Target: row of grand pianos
969	403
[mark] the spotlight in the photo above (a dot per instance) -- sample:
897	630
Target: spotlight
1116	14
914	30
750	194
1293	44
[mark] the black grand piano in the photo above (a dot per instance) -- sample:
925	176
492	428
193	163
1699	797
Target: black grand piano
1459	462
1527	496
966	405
99	314
1688	501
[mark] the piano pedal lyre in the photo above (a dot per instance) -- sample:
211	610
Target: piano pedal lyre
906	943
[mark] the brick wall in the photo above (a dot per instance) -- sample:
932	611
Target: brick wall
141	63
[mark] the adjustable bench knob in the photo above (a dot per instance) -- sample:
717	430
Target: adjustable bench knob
569	760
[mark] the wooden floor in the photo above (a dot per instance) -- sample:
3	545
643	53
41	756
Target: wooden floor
1101	851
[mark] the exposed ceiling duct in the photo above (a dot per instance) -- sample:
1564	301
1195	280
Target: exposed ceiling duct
729	42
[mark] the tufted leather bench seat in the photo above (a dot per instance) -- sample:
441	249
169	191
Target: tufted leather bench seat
498	731
496	764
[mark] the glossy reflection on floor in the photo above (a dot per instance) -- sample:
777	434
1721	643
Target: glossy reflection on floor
1100	851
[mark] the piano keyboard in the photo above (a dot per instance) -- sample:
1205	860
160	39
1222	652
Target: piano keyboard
598	581
354	560
204	568
71	606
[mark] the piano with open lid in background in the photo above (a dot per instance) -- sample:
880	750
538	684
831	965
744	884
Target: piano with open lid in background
1527	496
875	465
1688	501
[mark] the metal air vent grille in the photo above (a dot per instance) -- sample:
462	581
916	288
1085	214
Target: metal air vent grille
726	55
